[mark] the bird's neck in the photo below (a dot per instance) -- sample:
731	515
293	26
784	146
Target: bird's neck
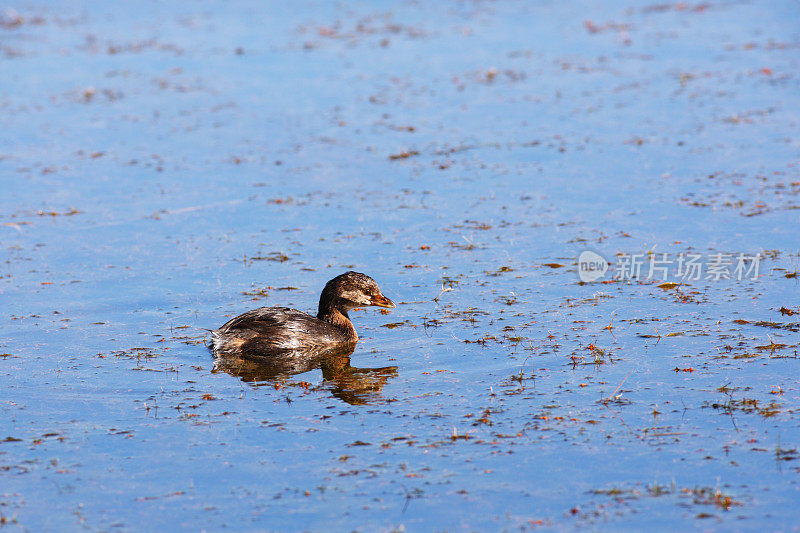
339	319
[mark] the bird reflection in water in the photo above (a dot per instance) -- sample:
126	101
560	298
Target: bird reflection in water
356	386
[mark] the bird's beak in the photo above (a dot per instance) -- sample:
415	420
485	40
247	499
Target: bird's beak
382	301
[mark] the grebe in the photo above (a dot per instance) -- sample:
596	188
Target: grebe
267	330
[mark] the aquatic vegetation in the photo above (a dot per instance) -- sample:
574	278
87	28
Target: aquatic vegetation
169	166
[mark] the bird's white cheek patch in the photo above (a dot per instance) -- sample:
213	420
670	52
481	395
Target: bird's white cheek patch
356	297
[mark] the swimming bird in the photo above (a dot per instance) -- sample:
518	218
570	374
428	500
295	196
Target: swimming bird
268	330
